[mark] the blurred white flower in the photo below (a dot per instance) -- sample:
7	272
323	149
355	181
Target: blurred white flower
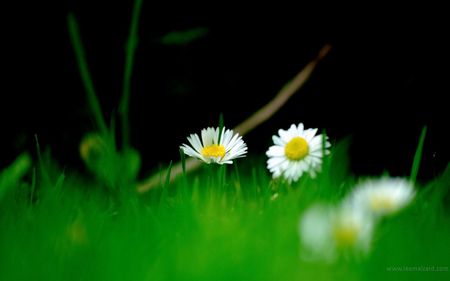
296	151
382	196
352	228
325	231
212	149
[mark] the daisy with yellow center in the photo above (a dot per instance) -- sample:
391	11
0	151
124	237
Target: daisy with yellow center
352	227
325	231
213	148
383	196
296	151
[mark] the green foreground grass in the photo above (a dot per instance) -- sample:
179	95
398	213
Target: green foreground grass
214	224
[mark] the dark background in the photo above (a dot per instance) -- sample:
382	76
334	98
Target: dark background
385	78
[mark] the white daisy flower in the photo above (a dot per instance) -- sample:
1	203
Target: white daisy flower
383	196
211	149
324	231
352	228
296	151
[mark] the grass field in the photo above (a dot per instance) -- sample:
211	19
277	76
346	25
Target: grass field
214	224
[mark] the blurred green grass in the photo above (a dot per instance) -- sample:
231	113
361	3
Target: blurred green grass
204	226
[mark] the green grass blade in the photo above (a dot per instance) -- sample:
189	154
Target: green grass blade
77	45
418	156
167	180
169	170
324	142
183	162
42	167
33	185
221	125
130	50
222	172
238	179
60	181
184	185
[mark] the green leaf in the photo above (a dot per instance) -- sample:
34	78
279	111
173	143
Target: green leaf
185	37
11	176
131	164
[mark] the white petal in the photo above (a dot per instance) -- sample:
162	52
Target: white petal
309	134
275	161
316	153
232	142
226	138
300	129
206	137
316	141
284	135
222	135
190	152
278	141
195	142
293	131
275	151
215	135
237	146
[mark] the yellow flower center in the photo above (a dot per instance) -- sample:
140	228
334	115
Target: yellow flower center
381	203
214	151
345	236
296	149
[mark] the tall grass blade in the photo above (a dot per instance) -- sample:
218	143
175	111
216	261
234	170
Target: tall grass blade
418	156
130	50
77	45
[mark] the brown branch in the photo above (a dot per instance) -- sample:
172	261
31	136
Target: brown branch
249	124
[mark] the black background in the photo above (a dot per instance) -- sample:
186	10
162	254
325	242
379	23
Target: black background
385	78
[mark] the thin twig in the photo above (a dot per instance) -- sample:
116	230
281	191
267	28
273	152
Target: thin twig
250	123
